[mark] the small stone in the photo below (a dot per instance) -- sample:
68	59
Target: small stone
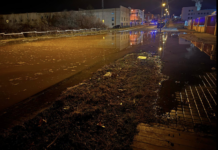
108	74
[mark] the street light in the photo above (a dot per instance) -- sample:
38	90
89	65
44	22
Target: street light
163	4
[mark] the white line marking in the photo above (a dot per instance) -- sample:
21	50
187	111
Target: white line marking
195	103
189	106
206	85
212	76
202	104
211	80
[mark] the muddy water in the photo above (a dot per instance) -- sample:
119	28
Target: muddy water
28	68
183	62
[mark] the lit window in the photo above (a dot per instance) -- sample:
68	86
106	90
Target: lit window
112	18
112	13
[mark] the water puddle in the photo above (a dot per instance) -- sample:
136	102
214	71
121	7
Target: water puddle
28	68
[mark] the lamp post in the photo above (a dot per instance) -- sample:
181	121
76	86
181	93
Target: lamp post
163	5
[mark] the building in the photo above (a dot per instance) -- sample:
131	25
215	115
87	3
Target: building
136	17
30	18
149	16
157	16
192	13
112	16
195	12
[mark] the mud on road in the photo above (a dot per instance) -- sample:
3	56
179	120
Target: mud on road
100	113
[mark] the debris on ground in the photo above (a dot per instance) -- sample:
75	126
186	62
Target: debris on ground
96	114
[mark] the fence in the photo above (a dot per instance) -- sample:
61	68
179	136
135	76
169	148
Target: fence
205	24
54	32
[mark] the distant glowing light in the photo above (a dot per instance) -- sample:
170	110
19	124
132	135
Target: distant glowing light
103	21
163	4
103	37
160	48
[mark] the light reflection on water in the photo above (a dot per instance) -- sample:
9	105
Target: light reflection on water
28	68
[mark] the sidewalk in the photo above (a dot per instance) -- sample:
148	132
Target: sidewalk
190	35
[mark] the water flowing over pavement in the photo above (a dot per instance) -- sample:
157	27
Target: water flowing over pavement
188	97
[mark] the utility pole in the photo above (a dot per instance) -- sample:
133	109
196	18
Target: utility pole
103	11
161	14
102	4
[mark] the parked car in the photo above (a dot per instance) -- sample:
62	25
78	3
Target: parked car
153	22
117	26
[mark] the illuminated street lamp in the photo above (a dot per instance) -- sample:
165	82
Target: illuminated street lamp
163	4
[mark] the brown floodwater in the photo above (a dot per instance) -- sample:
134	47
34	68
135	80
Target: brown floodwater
30	67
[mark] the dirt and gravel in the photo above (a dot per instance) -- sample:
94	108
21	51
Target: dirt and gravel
100	113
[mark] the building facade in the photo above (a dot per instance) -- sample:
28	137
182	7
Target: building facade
149	16
192	13
30	18
112	16
136	17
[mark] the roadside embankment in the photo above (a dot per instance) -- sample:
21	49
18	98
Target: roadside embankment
199	37
100	113
62	32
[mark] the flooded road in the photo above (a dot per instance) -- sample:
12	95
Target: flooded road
30	67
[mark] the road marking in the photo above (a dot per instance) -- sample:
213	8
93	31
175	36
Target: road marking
211	80
206	85
212	97
195	104
189	106
182	106
202	104
208	82
205	96
212	76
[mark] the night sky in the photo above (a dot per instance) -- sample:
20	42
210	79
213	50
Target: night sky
153	6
